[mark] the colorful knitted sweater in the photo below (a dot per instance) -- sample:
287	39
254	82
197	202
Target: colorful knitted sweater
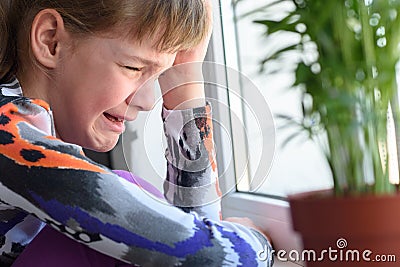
45	180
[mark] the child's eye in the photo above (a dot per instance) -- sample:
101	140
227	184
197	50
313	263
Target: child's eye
133	68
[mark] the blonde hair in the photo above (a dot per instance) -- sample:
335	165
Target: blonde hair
172	24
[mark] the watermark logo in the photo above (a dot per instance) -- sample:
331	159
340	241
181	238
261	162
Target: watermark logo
340	253
341	243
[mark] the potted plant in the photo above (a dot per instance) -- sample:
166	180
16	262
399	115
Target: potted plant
349	51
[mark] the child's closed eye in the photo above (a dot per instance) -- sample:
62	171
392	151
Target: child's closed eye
133	68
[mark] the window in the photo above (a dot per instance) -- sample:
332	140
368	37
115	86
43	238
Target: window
294	167
297	165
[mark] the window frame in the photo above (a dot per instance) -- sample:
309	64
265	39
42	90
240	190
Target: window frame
270	213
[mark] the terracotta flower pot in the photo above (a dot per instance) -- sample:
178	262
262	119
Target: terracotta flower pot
348	231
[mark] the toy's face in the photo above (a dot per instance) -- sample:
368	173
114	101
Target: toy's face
99	84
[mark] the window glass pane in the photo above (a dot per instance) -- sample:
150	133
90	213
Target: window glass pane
299	164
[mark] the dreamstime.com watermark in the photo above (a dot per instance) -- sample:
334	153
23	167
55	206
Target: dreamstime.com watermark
338	254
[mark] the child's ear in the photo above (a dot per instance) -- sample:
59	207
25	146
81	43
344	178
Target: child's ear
46	34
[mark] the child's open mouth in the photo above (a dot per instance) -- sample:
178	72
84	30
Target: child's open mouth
112	118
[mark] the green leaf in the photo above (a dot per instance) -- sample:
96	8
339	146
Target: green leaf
287	24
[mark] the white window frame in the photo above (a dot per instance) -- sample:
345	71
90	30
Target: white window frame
271	214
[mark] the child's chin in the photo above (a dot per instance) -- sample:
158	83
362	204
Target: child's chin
103	145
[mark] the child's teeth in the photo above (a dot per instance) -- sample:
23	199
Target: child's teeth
112	118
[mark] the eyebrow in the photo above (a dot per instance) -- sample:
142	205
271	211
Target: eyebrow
146	61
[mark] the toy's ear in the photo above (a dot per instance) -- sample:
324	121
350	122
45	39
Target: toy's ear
47	35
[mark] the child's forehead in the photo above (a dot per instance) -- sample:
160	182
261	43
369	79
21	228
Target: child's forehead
156	40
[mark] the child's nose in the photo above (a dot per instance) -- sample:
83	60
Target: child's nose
143	98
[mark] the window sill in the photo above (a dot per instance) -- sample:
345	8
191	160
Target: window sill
271	215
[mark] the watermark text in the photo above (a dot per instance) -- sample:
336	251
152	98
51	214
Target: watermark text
339	253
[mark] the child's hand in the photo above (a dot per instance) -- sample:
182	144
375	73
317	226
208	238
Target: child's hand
182	85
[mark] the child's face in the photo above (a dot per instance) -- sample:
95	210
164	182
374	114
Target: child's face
96	89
